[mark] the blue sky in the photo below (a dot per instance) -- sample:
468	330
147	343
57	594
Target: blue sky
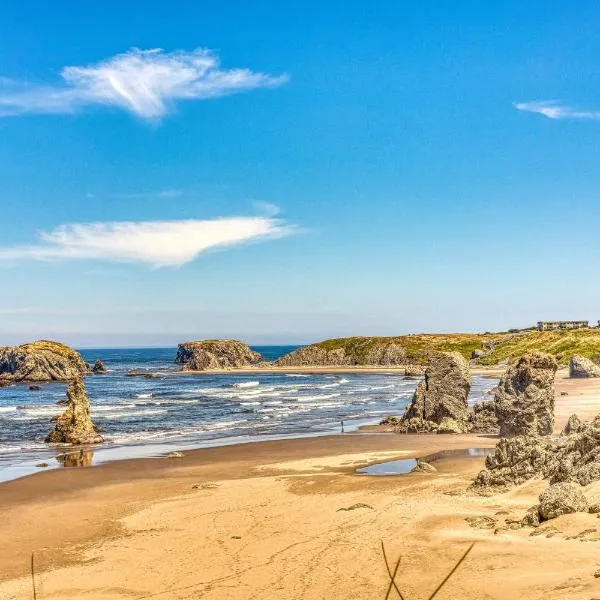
354	168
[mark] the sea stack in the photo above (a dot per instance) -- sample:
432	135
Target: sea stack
75	425
40	361
216	354
440	400
524	401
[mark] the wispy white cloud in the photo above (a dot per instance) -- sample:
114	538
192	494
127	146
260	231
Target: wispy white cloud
146	83
21	310
553	109
169	193
157	243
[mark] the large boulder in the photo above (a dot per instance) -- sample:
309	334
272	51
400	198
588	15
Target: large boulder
442	394
75	425
580	366
561	499
524	400
215	354
40	361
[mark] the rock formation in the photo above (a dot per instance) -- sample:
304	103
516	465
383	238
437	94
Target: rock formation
573	457
580	366
441	397
524	401
561	499
99	368
483	418
40	361
75	425
574	425
215	354
354	352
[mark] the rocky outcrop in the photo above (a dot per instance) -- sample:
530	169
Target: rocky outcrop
75	425
524	401
561	499
40	361
580	366
99	368
483	418
441	397
215	354
353	352
573	457
574	425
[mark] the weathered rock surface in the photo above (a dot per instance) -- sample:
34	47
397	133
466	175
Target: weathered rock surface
483	418
532	517
561	499
75	425
357	352
40	361
524	401
215	354
580	366
99	368
573	457
515	461
441	395
414	371
574	425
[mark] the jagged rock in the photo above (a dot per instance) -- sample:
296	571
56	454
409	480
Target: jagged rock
574	457
75	425
99	368
524	401
514	461
594	508
442	394
390	421
483	418
215	354
574	425
477	354
532	517
5	383
561	499
35	388
579	366
40	361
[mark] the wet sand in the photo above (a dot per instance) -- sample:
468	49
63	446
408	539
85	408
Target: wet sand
263	520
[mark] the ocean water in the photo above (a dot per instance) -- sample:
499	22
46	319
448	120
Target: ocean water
151	417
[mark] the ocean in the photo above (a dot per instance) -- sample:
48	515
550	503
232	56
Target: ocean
151	417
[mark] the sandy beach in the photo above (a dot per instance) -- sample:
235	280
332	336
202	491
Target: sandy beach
279	520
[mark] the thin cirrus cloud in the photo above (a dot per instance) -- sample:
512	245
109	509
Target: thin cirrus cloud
146	83
553	109
155	243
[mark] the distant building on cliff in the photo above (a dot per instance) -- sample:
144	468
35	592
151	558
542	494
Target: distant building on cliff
551	325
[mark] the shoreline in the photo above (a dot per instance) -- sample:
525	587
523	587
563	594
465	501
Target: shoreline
493	371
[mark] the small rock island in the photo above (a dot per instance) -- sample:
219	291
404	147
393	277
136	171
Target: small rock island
216	354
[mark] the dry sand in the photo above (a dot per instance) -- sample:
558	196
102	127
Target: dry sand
263	520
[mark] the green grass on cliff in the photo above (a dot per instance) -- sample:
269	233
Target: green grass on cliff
504	346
